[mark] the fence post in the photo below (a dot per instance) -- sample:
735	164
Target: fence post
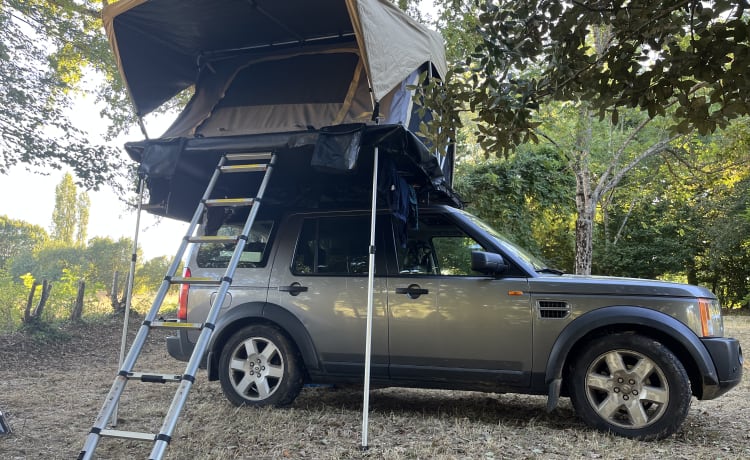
46	288
27	311
75	314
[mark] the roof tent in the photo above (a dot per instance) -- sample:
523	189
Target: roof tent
260	66
266	69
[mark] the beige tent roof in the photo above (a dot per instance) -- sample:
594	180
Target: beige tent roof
162	46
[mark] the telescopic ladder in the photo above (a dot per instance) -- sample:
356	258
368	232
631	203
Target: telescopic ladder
229	163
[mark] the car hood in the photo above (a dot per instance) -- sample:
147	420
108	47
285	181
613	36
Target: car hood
610	285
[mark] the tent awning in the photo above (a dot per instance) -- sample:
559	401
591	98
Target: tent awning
161	46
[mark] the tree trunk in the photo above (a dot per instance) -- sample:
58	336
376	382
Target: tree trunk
75	314
124	298
27	311
46	288
585	237
117	306
585	199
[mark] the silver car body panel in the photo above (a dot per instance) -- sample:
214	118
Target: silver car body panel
511	332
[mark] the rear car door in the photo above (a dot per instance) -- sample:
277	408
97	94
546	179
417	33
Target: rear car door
449	323
321	277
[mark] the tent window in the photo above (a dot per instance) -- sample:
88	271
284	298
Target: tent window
309	79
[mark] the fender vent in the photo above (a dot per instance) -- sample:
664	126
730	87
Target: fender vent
551	309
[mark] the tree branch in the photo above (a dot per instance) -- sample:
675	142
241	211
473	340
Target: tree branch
651	151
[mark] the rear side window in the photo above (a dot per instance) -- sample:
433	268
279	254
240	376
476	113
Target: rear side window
255	254
333	246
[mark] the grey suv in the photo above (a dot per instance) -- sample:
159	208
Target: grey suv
456	306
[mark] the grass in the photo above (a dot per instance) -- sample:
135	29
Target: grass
51	394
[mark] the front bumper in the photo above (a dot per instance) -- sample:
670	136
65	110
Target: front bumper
726	354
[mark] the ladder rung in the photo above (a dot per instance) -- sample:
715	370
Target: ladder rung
128	435
263	156
244	168
196	281
176	325
230	202
154	378
212	239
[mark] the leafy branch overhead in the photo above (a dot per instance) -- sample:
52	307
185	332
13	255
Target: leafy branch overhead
641	54
46	48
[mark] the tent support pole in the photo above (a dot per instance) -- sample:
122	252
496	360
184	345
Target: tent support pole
142	126
129	286
370	298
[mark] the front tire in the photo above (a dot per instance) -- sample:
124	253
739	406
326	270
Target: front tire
630	385
259	366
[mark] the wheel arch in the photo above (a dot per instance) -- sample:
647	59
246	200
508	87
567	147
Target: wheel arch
675	335
260	313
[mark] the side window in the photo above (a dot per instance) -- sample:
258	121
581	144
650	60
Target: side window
333	246
255	254
437	247
454	254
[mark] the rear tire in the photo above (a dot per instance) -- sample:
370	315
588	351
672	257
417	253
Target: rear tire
259	366
630	385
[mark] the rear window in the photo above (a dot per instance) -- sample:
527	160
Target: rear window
255	254
333	246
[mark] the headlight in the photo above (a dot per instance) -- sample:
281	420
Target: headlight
712	324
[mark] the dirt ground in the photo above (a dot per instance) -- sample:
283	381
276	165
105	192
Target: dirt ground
51	392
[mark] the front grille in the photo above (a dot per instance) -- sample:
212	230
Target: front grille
552	309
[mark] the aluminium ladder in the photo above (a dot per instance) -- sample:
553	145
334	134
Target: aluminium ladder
251	163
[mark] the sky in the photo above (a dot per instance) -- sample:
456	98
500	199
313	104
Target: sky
30	196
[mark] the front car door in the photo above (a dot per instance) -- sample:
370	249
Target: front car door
448	323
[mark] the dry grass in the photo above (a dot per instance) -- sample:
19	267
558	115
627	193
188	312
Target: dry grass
51	393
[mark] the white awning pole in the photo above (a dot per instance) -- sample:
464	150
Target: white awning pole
129	286
370	299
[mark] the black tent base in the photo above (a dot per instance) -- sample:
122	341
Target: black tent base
4	427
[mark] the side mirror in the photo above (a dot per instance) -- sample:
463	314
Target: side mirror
488	262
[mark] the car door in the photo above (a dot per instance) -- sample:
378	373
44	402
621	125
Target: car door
325	286
448	323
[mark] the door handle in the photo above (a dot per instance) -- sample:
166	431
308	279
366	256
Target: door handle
293	289
413	291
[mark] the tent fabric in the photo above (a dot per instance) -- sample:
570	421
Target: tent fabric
280	92
164	46
394	44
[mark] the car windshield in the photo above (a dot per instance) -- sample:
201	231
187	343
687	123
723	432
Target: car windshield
506	244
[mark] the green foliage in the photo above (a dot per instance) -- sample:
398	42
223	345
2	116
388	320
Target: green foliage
44	48
50	261
105	256
12	298
686	216
18	237
70	217
63	295
641	54
527	197
83	203
64	213
150	275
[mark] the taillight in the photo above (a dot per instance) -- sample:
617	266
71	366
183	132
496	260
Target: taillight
184	289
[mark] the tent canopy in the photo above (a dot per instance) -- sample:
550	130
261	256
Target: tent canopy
165	46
